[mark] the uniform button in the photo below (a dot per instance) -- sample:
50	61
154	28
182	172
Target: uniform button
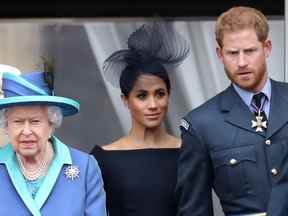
274	171
268	142
233	161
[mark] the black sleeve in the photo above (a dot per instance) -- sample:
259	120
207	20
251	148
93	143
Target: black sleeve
96	151
99	155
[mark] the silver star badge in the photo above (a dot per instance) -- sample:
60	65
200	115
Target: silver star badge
72	172
259	124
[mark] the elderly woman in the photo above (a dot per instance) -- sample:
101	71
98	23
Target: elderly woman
39	174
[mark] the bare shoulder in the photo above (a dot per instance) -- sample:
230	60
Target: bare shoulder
174	142
116	145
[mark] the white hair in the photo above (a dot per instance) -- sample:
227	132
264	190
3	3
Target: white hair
55	116
3	118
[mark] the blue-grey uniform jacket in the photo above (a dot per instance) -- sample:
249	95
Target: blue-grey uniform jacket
248	170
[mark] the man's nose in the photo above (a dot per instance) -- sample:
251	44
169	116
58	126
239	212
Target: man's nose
242	60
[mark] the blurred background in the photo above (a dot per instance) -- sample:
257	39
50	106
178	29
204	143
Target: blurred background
79	36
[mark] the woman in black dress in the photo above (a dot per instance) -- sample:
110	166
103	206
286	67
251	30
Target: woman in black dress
139	170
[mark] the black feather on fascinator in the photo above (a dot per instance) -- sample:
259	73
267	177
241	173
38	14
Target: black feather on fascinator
48	68
149	43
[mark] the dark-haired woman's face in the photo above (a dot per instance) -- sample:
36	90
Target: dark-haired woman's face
148	101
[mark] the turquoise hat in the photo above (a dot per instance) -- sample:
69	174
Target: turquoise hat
32	89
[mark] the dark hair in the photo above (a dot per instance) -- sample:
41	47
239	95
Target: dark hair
132	72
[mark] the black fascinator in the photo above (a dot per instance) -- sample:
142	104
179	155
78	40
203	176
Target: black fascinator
156	42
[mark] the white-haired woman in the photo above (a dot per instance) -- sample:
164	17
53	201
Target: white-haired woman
39	174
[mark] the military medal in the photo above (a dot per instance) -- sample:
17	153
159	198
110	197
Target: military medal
72	172
259	123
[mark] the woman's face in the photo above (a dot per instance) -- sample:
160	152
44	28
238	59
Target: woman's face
28	129
148	101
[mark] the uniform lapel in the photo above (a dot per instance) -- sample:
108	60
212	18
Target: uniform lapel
237	112
278	109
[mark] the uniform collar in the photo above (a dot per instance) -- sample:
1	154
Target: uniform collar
246	96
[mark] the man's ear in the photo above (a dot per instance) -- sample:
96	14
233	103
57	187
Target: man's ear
219	53
267	47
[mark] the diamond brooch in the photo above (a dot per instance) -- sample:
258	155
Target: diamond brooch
72	172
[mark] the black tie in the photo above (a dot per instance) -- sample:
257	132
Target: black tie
257	99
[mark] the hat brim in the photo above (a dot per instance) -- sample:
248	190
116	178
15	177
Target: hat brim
68	106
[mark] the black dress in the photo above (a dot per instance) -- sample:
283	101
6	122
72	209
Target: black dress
139	182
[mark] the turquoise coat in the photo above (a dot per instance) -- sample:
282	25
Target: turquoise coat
58	194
